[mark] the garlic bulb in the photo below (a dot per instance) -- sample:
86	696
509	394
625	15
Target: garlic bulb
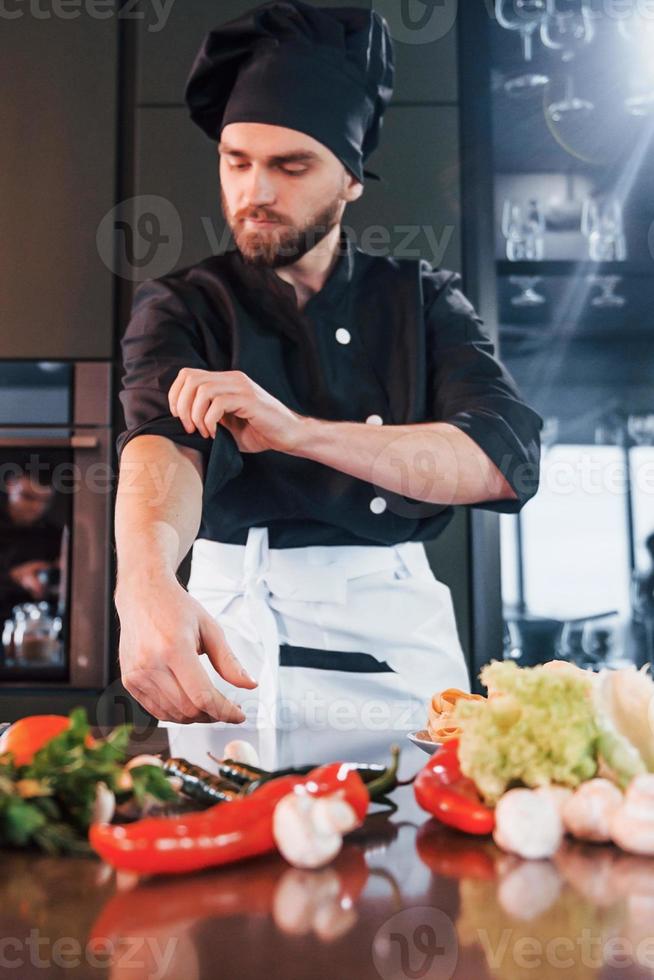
309	831
587	813
241	751
632	824
527	823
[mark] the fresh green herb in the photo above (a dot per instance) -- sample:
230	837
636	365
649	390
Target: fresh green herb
49	803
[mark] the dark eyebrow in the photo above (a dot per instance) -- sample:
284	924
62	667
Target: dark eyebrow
295	157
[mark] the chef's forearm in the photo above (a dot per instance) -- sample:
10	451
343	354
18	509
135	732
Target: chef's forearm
433	462
158	510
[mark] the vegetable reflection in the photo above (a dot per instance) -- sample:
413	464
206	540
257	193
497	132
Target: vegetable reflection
590	907
298	902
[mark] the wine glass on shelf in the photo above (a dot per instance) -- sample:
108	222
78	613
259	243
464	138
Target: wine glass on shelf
566	31
636	27
535	222
602	223
571	106
608	298
524	230
513	229
527	297
524	16
524	83
638	31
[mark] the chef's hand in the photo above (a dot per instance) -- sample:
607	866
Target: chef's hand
163	630
204	399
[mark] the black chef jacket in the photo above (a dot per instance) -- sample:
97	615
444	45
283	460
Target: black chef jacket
386	337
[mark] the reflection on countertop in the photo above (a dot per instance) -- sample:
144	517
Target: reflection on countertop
405	898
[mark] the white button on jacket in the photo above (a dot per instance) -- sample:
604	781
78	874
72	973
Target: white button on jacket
378	505
343	336
375	420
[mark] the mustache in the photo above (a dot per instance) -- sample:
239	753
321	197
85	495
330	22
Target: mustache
259	217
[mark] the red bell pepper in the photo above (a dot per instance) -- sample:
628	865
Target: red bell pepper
226	832
441	789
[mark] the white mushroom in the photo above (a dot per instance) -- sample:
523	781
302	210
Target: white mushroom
309	831
587	814
239	750
527	823
104	804
632	824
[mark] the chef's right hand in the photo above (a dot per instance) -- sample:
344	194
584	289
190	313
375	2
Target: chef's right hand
163	630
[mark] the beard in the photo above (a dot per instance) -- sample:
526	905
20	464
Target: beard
278	245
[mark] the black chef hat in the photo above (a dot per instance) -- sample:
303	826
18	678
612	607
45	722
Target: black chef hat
325	71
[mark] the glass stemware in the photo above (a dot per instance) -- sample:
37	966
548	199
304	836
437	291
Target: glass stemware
571	106
524	16
528	296
607	298
524	230
525	83
602	223
567	31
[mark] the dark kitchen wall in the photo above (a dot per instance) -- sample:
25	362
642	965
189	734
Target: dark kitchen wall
58	76
96	118
415	212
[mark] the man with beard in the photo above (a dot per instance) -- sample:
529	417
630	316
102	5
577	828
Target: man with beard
303	414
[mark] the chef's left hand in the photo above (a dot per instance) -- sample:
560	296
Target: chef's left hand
203	400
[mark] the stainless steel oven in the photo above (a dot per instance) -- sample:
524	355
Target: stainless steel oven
55	505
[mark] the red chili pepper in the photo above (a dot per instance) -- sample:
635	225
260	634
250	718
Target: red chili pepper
442	790
226	832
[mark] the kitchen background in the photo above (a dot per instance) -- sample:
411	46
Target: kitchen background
517	150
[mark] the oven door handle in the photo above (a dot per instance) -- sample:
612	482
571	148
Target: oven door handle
49	442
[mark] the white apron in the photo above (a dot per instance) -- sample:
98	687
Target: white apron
381	601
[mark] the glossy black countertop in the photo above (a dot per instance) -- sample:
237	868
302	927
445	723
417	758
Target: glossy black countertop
405	899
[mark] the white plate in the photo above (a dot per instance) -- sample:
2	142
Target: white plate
423	741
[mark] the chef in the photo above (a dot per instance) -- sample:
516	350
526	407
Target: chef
303	414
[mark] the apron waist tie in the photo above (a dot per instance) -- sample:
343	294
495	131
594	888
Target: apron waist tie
257	573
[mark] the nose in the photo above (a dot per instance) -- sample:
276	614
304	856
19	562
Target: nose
259	189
